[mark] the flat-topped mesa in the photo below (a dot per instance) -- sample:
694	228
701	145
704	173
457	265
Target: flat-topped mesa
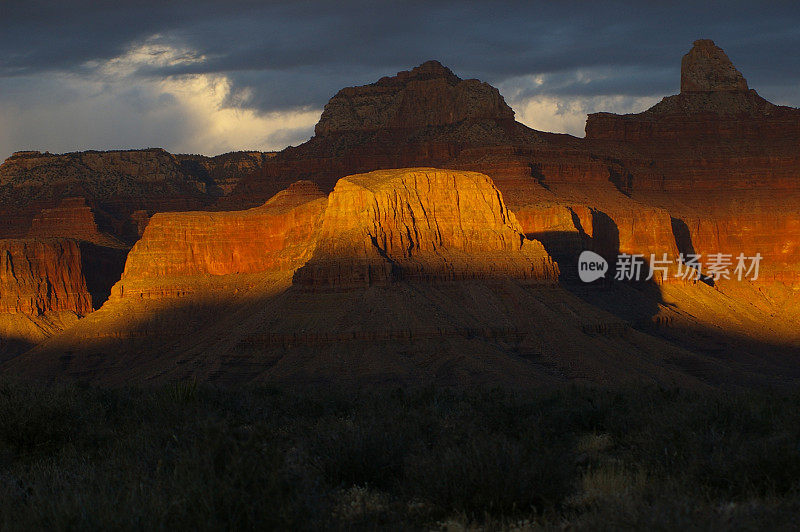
177	248
428	95
421	224
707	68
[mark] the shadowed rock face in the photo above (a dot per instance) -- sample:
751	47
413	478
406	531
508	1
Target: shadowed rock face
72	218
714	103
429	95
707	68
428	269
427	116
119	182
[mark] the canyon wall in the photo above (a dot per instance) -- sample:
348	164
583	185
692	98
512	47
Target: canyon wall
42	291
431	266
115	184
38	276
721	160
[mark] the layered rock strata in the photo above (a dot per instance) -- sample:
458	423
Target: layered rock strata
176	247
72	218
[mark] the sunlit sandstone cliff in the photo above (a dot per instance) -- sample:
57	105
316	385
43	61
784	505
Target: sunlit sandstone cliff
412	276
421	224
176	247
373	228
719	158
42	275
428	116
409	276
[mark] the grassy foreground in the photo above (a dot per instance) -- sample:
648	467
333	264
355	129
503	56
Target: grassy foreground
188	457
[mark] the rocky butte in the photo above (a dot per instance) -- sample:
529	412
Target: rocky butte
423	224
423	235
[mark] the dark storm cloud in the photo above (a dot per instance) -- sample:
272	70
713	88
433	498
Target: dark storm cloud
324	45
297	54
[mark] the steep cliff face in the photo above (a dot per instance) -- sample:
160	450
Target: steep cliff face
97	174
707	68
40	276
420	266
721	160
177	247
757	221
423	224
223	172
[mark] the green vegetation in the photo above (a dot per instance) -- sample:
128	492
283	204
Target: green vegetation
195	457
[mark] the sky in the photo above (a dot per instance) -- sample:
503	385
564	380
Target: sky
211	77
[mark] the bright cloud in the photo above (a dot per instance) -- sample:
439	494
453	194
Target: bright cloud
568	115
560	102
118	104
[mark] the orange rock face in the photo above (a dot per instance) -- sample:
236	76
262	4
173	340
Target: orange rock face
423	224
41	276
421	260
378	227
721	160
275	236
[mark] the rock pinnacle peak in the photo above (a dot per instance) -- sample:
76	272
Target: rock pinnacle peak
706	68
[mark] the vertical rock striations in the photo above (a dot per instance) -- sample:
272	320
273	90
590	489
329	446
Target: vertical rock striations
42	276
